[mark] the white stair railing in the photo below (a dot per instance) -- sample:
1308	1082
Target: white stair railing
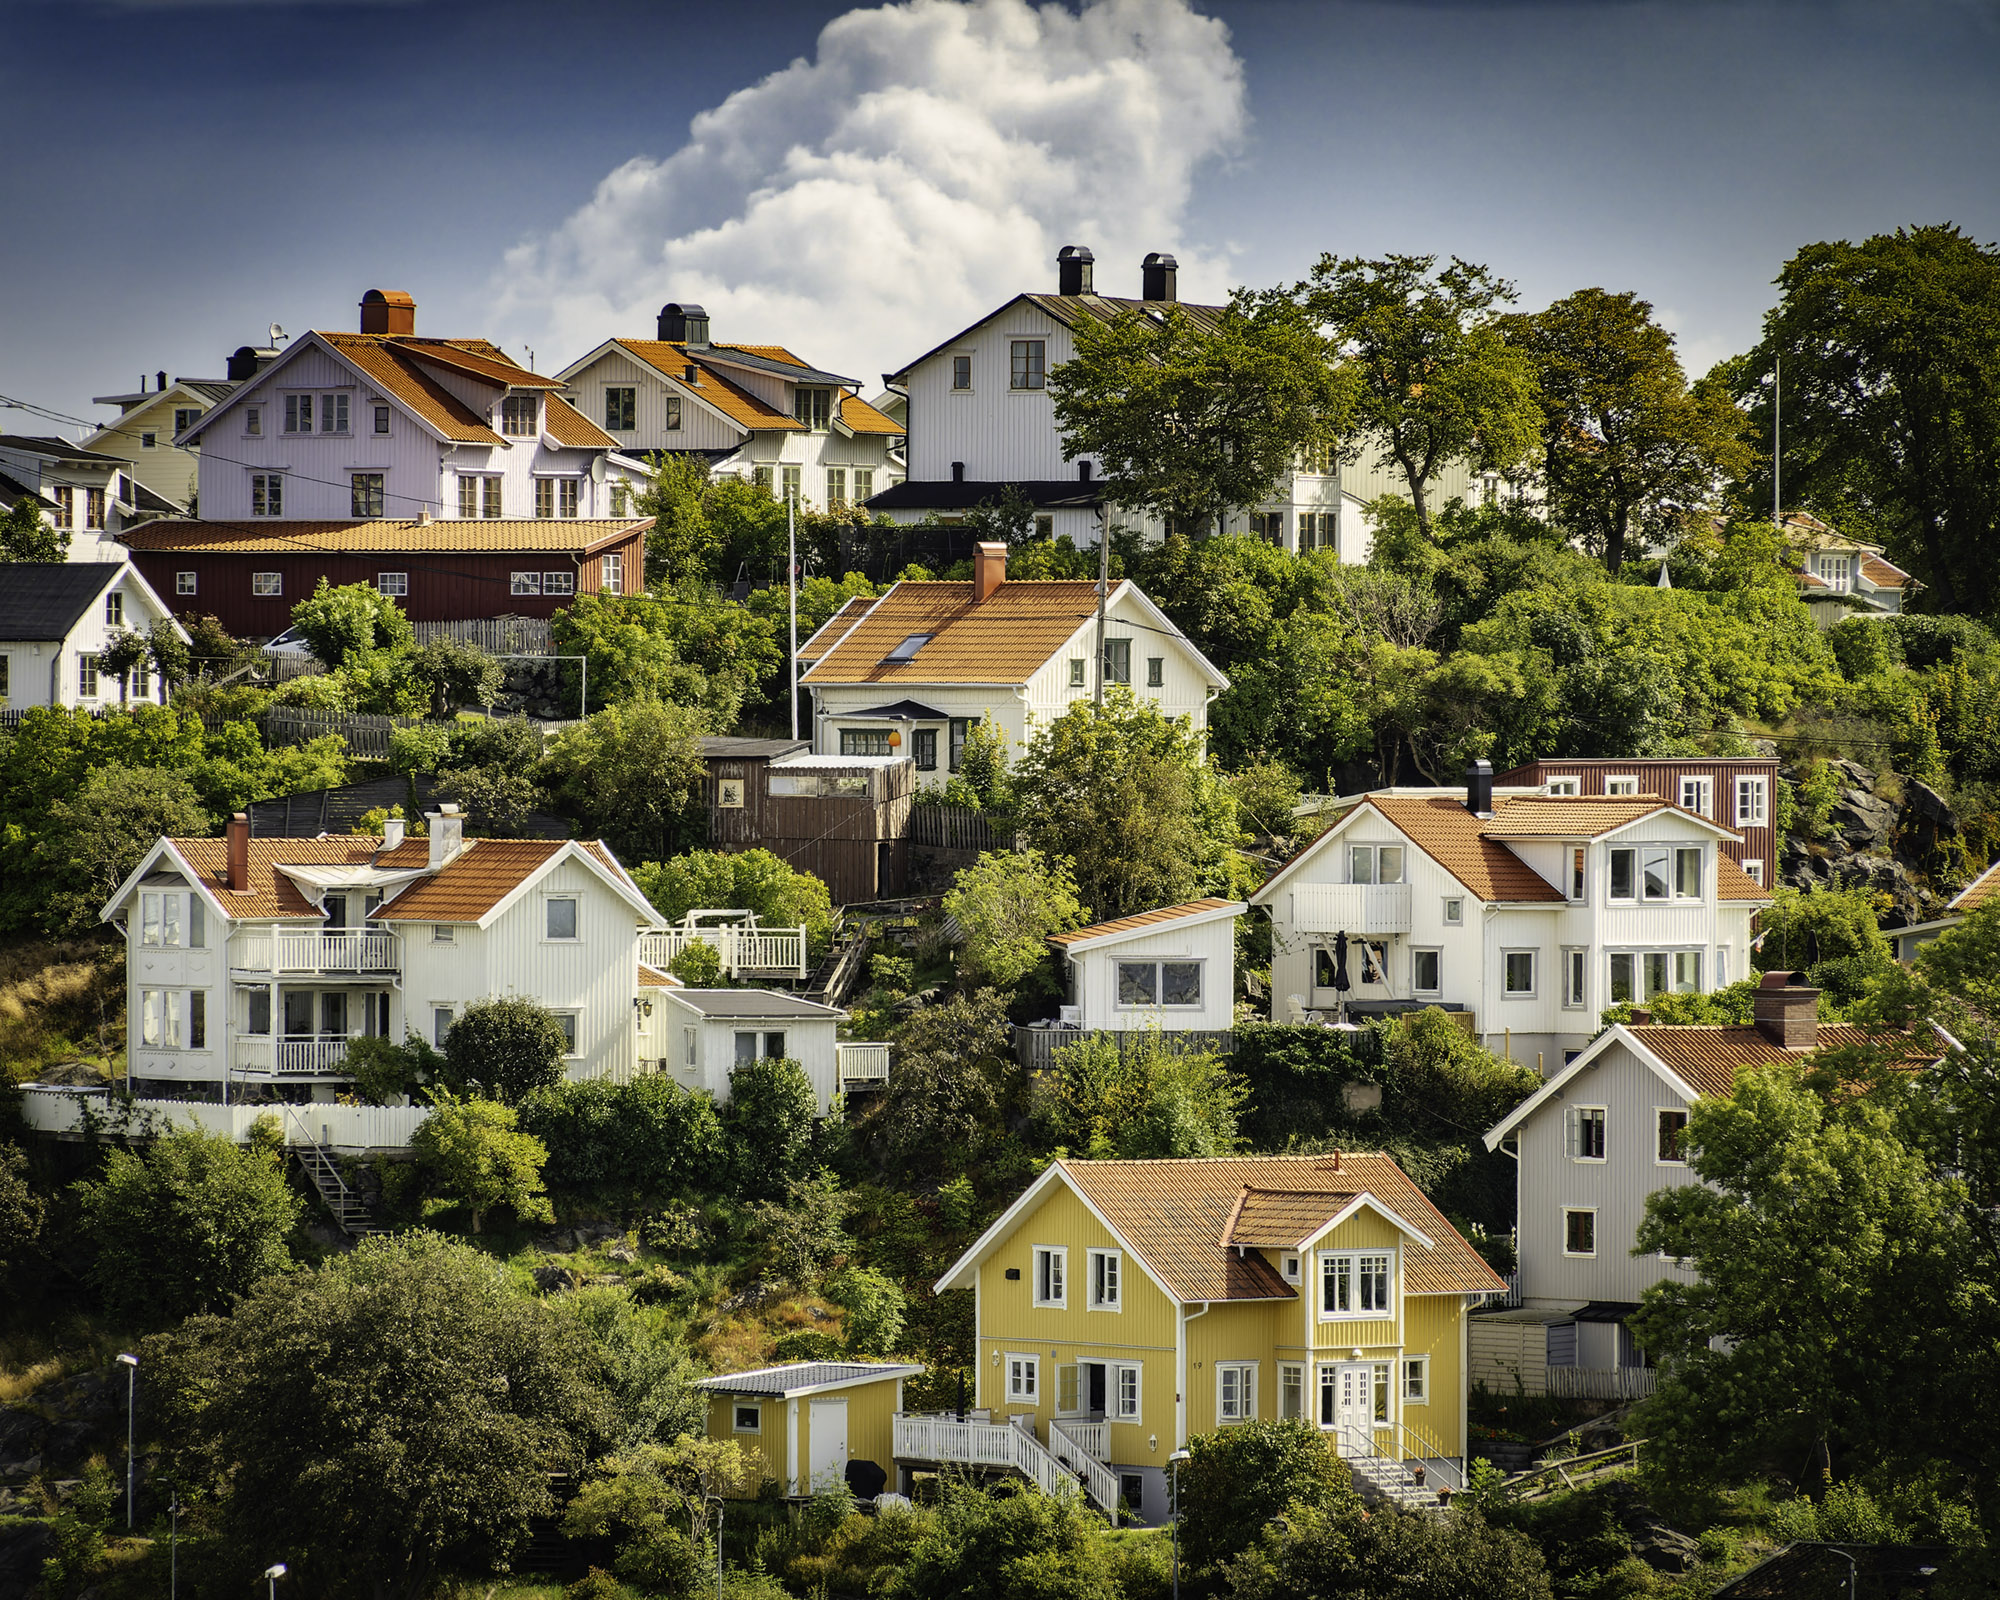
1099	1481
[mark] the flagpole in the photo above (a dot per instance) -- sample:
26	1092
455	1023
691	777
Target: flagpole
792	598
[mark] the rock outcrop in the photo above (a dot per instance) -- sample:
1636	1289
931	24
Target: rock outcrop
1872	841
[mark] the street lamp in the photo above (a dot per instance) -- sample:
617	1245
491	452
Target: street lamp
271	1575
174	1550
718	1542
131	1366
1174	1468
1853	1572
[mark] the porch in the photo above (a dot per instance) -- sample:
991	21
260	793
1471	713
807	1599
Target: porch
746	948
1036	1043
373	951
1066	1465
861	1066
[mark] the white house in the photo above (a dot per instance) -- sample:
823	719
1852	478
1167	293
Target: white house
708	1033
1172	969
57	617
1909	940
1590	1145
90	495
981	420
149	420
914	669
1533	912
1841	577
753	411
384	423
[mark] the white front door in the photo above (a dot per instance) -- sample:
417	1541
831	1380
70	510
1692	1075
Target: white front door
826	1422
1353	1406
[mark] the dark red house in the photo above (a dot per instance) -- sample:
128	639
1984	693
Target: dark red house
249	575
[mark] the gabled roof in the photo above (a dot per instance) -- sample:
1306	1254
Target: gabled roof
860	417
828	631
806	1377
1069	310
402	377
1144	922
272	895
1976	893
1282	1219
386	535
571	429
1589	816
42	600
486	875
477	358
755	1005
1882	572
1174	1218
734	401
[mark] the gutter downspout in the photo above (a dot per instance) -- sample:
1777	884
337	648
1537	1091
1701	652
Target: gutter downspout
1181	1374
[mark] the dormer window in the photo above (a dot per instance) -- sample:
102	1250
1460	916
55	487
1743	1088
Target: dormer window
519	416
906	652
814	407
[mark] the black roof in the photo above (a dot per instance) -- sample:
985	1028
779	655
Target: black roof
733	355
12	491
730	747
59	449
1811	1571
897	711
42	600
962	494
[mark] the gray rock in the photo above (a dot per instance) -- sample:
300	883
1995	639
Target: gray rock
1927	803
555	1280
22	1470
621	1252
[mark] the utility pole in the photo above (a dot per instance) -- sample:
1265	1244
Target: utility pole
1103	594
1777	444
792	598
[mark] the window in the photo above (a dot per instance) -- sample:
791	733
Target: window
1125	1392
1624	865
1045	527
440	1024
382	421
444	933
1291	1391
258	1018
1519	968
253	420
1653	862
611	574
559	583
518	416
1156	672
1164	983
1454	912
923	747
692	1039
1722	966
1416	1380
478	496
1670	1141
184	583
1565	786
1641	974
1576	878
1375	863
1687	874
961	372
864	742
86	677
621	499
774	1047
813	407
1753	869
1268	525
114	608
298	413
267	583
148	440
1288	1266
1316	458
566	1020
1573	978
1355	1285
672	422
1425	968
267	494
1105	1266
1076	674
524	583
1235	1391
1319	531
1030	364
1687	972
1051	1274
1583	1133
747	1418
93	508
65	506
1580	1233
761	477
864	485
561	916
1838	572
1749	801
545	497
957	728
392	583
1621	785
333	413
746	1049
906	652
621	409
1024	1375
6	666
1698	795
365	494
836	486
566	497
1117	660
790	483
185	417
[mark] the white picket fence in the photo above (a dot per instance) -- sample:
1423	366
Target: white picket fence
744	947
48	1109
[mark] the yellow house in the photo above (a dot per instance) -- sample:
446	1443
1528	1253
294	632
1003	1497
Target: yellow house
1123	1306
806	1421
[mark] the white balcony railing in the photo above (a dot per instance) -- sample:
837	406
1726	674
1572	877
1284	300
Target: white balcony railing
365	950
862	1065
1001	1444
743	947
1094	1437
311	1055
1358	908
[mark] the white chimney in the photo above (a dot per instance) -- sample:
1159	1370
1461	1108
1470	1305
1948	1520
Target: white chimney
392	832
447	833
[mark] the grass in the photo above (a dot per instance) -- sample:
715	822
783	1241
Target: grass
61	1001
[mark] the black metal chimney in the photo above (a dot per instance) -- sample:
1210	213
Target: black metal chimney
1479	787
1075	273
1158	277
958	472
686	325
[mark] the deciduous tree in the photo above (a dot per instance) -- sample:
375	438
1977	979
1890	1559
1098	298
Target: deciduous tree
26	534
507	1046
472	1152
95	837
343	623
631	775
1007	904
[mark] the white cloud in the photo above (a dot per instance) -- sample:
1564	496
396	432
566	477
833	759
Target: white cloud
926	164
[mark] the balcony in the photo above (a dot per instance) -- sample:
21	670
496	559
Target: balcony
862	1066
318	952
297	1058
745	948
1356	908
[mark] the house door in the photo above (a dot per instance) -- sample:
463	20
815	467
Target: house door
1093	1384
826	1423
1347	1405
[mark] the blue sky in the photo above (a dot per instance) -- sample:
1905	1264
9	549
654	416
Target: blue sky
180	175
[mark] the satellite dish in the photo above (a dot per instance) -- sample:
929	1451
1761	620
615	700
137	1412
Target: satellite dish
597	469
278	335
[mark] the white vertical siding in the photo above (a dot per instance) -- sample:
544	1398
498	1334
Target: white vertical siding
997	431
1213	944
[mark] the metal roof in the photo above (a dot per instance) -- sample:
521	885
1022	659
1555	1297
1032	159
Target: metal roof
755	1004
42	600
797	1376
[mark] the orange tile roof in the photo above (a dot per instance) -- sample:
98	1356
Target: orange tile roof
1143	919
1976	893
1733	883
398	373
1006	638
1452	836
564	535
1707	1058
654	978
1883	574
834	626
475	880
1573	816
571	428
1174	1215
861	417
1283	1219
1812	580
271	893
481	358
734	402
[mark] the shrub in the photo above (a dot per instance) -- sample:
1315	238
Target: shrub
383	1069
1138	1097
508	1046
769	1124
1235	1481
1007	904
699	965
470	1152
625	1142
874	1307
744	880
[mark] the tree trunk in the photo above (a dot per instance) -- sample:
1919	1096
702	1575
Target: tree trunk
1614	542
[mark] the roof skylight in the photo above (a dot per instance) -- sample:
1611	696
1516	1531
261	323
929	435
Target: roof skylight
907	650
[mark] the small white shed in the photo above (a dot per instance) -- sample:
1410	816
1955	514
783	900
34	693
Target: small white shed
1173	969
707	1033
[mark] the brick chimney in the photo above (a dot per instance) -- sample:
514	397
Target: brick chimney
388	311
1786	1010
989	570
239	852
1640	1018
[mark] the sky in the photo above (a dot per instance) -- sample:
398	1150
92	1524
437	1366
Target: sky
857	184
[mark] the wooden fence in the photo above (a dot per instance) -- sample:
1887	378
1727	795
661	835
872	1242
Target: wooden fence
497	636
365	735
947	827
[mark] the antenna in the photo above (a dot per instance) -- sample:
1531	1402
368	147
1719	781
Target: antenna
278	336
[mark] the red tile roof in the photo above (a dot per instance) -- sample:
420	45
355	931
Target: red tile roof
1706	1058
1005	638
1455	838
1142	919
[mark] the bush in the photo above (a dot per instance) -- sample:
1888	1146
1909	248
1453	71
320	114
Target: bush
954	1073
1137	1097
803	1232
699	965
769	1126
1235	1481
874	1307
625	1143
1007	904
509	1047
471	1153
383	1070
345	623
745	880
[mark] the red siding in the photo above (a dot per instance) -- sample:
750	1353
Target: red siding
444	585
1663	778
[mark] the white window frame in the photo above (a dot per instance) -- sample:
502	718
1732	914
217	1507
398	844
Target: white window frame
1288	1266
1659	1113
1245	1407
1418	1394
1703	791
1507	991
1574	1118
394	583
1579	1211
1339	1265
1059	1255
1565	786
1625	783
186	583
1752	802
524	583
1118	1406
1454	911
1373	853
1576	977
574	1039
1098	1264
1076	672
444	933
736	1410
1611	895
1753	869
611	573
1417	985
576	918
267	585
442	1017
1023	1366
1292	1381
1159	964
1700	873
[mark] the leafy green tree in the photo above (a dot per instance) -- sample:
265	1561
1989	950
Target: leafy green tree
630	654
743	880
21	1211
507	1045
1435	379
188	1226
622	1143
1831	935
1627	446
1196	414
768	1122
1003	1546
874	1307
654	1502
343	624
373	1419
1138	1097
631	775
471	1152
953	1076
121	652
648	1373
497	803
28	535
1890	352
384	1070
1007	904
804	1232
1126	795
451	673
682	543
93	839
1237	1480
173	655
1391	1555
